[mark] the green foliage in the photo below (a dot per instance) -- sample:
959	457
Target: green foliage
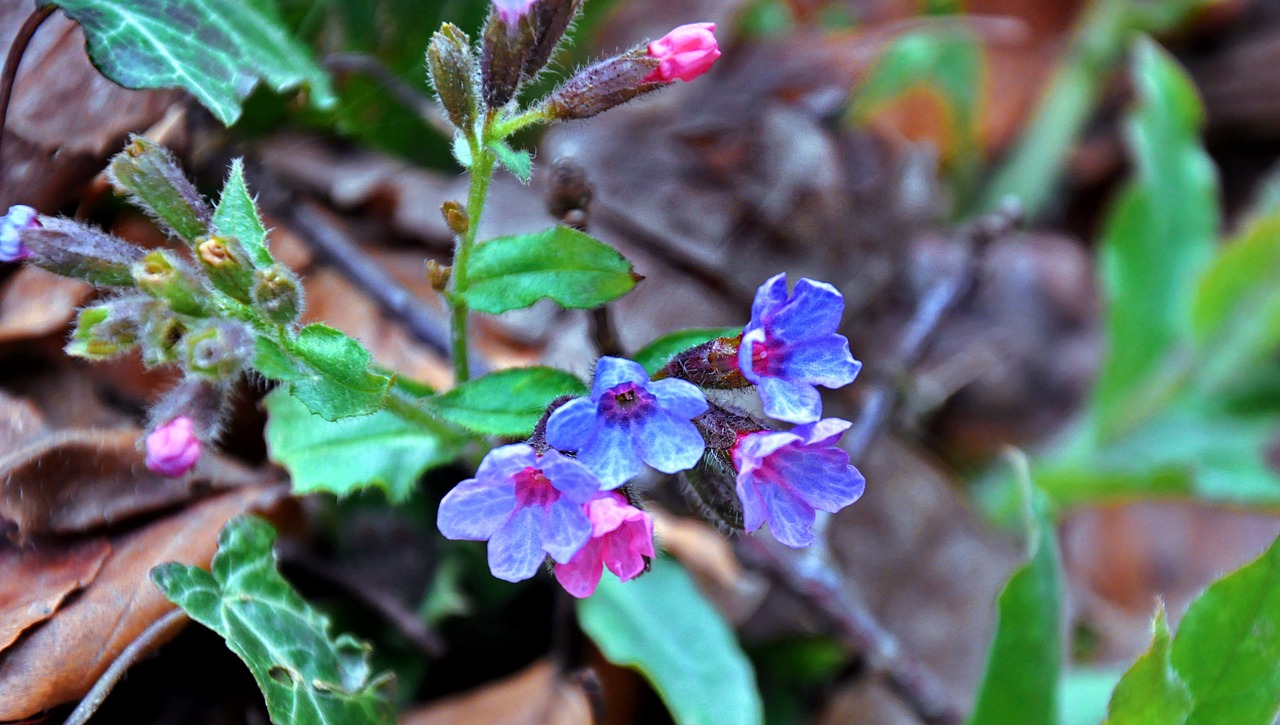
654	356
1021	680
661	625
215	49
155	184
326	370
505	403
343	456
1151	692
237	216
518	162
575	270
306	676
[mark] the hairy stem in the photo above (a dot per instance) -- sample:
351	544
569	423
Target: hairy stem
482	162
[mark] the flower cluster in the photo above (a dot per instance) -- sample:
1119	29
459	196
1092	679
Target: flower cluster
557	495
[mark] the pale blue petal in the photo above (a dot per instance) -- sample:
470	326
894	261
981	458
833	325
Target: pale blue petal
790	519
753	511
822	361
500	464
570	425
769	297
474	510
814	310
612	371
570	477
565	530
680	398
669	444
790	401
822	477
515	550
753	449
750	338
612	455
826	432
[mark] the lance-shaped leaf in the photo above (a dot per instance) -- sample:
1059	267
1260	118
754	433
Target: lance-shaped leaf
344	456
326	370
217	50
505	403
661	625
156	184
237	216
1021	680
654	356
306	675
1151	691
575	270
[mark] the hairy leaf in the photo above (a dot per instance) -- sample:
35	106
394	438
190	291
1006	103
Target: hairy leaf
661	625
237	216
1151	691
305	674
518	162
505	403
328	371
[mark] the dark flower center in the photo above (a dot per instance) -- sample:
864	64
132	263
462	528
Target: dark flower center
534	489
627	401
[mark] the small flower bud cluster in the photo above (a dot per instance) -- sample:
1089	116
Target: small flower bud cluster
558	494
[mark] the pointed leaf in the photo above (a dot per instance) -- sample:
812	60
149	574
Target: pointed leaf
237	216
217	50
505	403
661	625
326	370
575	270
518	162
305	674
1151	693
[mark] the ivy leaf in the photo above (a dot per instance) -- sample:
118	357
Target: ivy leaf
518	162
217	50
575	270
326	370
1021	680
344	456
505	403
661	625
237	216
1151	691
655	356
305	675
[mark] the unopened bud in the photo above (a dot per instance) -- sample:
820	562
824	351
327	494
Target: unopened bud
712	484
451	67
72	249
438	275
202	400
507	41
455	215
106	329
713	364
228	266
551	18
218	350
161	334
685	53
173	448
154	182
605	85
11	226
164	276
277	294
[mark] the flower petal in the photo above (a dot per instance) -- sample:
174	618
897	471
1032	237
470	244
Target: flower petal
570	477
612	371
612	456
821	477
790	518
754	448
565	529
582	574
474	510
670	444
824	360
624	550
825	432
814	310
790	401
680	398
769	297
753	511
570	426
504	462
751	337
515	549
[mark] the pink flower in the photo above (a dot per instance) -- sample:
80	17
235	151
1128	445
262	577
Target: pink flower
173	448
621	538
685	53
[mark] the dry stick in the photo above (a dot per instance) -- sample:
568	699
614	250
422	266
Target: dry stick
14	58
159	629
812	575
421	104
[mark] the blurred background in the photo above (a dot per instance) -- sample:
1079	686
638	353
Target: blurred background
1056	224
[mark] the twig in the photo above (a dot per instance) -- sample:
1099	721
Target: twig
421	104
14	58
811	574
159	629
379	601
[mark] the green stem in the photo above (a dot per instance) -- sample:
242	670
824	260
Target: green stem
482	163
408	410
505	128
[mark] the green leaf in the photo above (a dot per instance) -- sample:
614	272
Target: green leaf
157	185
1021	680
346	455
654	356
661	625
216	49
518	162
575	270
1157	240
237	216
1227	649
505	403
1151	692
326	370
305	675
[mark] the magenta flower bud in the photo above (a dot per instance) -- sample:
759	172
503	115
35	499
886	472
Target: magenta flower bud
11	247
685	53
173	448
621	540
512	11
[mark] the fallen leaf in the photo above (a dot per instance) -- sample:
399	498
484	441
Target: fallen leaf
35	303
34	582
537	695
709	557
60	660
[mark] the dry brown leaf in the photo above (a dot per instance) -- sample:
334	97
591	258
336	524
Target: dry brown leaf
34	582
537	695
35	303
60	660
708	555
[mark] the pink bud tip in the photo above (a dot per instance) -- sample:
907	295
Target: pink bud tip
512	10
11	247
173	448
685	53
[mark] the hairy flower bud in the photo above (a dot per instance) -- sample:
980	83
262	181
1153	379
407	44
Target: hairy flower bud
602	86
173	448
204	401
165	276
684	53
107	328
227	264
451	68
712	483
72	249
218	349
160	334
508	40
455	215
713	364
11	225
551	18
155	183
277	294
